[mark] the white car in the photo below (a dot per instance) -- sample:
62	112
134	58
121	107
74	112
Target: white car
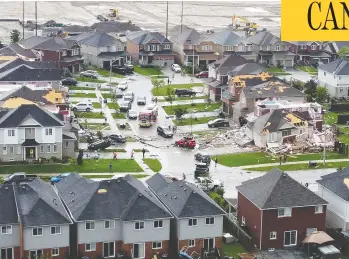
82	106
208	184
93	72
176	68
123	85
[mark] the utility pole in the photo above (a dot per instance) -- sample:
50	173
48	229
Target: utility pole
182	19
36	19
166	19
23	22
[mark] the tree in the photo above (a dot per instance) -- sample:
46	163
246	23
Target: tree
343	52
170	95
157	83
310	90
179	112
66	72
15	36
217	199
298	85
321	94
79	159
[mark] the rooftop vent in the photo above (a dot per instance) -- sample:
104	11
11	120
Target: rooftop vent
185	189
72	200
165	194
175	197
140	195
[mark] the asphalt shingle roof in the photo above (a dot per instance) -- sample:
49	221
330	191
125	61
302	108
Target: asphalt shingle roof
336	67
15	49
263	38
182	198
224	38
247	69
144	37
97	39
277	189
8	208
25	93
126	198
187	36
47	43
25	73
33	64
337	183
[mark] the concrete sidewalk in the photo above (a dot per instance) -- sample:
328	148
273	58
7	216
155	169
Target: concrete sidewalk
293	163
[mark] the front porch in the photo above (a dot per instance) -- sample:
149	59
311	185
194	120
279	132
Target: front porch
73	64
30	150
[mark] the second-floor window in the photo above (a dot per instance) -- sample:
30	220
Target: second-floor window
37	231
6	230
109	224
192	222
48	132
11	133
75	52
286	133
90	247
153	47
319	209
120	48
158	224
55	230
206	47
277	47
313	47
139	225
272	235
229	48
90	225
284	212
64	53
209	221
167	46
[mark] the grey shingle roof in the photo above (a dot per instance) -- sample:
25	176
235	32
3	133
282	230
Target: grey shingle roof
26	93
247	69
14	117
337	67
97	39
335	183
15	49
229	61
277	189
38	204
47	43
144	37
8	208
126	198
224	38
33	64
182	198
263	38
187	36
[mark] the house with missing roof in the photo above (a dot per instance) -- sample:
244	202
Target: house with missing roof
334	188
197	221
150	48
115	217
279	212
35	223
16	50
335	77
29	132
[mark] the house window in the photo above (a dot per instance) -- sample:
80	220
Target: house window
192	222
109	249
90	247
310	230
243	220
157	245
313	47
284	212
64	53
66	144
261	48
191	242
319	209
139	225
206	47
48	132
324	73
55	251
55	230
272	235
33	254
41	149
209	244
54	148
277	47
209	221
290	238
228	48
75	52
153	47
48	148
6	230
11	133
6	253
268	47
4	150
341	90
120	49
37	231
109	224
158	224
167	46
90	225
286	133
12	150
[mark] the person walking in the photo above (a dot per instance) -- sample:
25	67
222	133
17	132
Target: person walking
110	168
280	159
132	154
115	155
285	158
215	161
143	151
184	177
168	81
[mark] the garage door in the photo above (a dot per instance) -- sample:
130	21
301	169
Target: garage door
288	63
106	64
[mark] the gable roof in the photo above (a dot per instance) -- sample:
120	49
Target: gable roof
182	198
247	69
47	43
144	37
25	93
124	198
337	182
187	36
16	50
32	64
8	204
14	118
96	39
277	189
263	38
336	67
224	38
26	73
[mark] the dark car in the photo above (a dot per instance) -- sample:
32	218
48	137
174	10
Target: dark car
201	169
164	132
119	70
204	158
141	100
218	123
117	138
99	144
129	66
69	81
184	92
203	74
118	93
125	106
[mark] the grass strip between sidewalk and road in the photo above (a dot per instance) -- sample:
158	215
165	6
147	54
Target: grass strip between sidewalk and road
185	98
89	115
82	88
197	107
105	73
147	71
193	121
162	91
153	163
83	95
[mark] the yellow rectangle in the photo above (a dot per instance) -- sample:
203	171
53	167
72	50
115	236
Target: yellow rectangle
321	20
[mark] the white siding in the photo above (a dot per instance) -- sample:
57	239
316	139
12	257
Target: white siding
337	86
58	134
2	135
201	230
11	240
48	138
21	135
10	139
30	121
99	233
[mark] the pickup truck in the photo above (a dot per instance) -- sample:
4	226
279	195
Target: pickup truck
208	184
19	177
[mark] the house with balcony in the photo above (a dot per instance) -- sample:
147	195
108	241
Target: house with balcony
150	48
116	217
278	211
29	132
334	188
35	223
197	223
312	51
101	49
64	52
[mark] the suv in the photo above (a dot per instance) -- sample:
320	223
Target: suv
218	123
100	144
125	106
185	92
203	158
92	72
165	131
116	138
123	85
69	81
129	96
141	100
88	74
176	68
82	106
201	169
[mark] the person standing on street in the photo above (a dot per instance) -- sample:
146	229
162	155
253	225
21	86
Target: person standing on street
115	155
215	161
111	168
143	151
280	159
168	81
132	154
184	177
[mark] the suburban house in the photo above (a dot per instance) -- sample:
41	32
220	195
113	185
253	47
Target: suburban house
198	220
150	48
335	77
35	223
100	49
312	51
334	188
29	132
334	47
279	212
65	52
115	217
16	50
271	50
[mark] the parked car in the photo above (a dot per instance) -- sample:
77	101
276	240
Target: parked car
99	144
176	68
201	169
123	85
208	184
57	178
116	138
187	142
119	70
87	74
165	131
92	72
69	81
129	96
202	74
129	66
118	93
218	123
82	106
125	106
19	177
132	115
141	100
184	92
201	157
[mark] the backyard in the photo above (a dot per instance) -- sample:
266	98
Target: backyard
197	107
232	249
162	91
147	71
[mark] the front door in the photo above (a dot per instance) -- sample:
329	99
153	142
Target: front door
138	250
150	59
208	244
30	153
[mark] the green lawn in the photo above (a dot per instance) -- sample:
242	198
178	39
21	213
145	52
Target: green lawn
139	150
114	106
119	115
83	95
108	96
75	87
160	76
96	126
232	249
193	121
147	71
162	91
277	71
88	166
297	167
186	98
89	115
255	158
153	163
198	107
89	80
106	73
121	150
308	69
